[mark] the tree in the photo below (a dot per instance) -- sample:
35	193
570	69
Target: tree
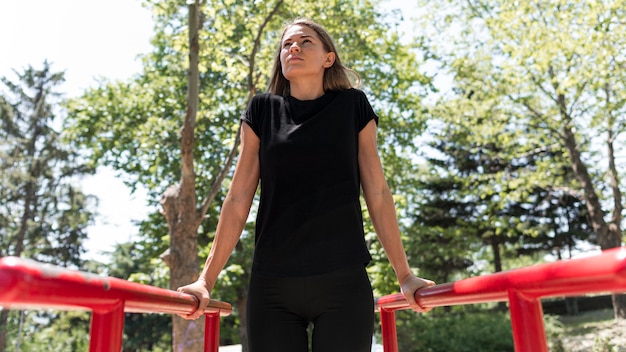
44	216
48	330
562	64
142	332
133	126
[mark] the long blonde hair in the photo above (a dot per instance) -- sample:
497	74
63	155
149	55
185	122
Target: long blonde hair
335	77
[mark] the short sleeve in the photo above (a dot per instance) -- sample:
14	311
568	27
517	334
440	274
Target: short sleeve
252	115
365	111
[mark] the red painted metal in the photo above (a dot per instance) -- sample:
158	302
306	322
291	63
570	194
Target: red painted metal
523	288
107	329
212	332
527	323
388	330
28	284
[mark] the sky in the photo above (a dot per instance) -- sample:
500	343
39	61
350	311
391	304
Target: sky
87	39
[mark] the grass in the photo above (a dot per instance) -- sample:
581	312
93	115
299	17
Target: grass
595	316
594	331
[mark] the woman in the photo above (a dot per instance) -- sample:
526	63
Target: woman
311	142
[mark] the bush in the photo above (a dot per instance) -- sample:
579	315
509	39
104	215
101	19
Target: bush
603	344
554	333
454	332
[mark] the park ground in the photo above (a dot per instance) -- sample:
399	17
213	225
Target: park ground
594	331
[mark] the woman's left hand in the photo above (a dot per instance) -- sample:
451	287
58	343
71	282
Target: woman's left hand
411	284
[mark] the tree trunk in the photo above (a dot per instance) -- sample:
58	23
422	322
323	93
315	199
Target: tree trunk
615	234
619	305
19	248
4	318
243	325
497	257
592	202
184	267
571	305
497	265
609	235
180	205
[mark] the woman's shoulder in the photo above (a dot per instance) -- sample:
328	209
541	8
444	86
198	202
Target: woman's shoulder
353	93
267	97
263	102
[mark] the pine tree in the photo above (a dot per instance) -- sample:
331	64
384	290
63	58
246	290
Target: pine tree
43	215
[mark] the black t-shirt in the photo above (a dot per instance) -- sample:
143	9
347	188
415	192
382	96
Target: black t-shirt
309	219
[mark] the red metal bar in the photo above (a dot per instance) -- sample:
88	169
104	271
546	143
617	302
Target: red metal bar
388	327
212	333
28	284
524	288
107	329
529	334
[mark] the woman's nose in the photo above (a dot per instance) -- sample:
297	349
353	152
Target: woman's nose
294	47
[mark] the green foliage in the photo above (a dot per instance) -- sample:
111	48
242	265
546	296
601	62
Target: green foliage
603	344
528	89
482	185
544	68
554	333
464	332
49	331
142	332
44	215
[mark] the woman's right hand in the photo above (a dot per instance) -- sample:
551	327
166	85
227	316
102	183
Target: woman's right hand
198	289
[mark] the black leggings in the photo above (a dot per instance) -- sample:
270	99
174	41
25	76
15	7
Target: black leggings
339	305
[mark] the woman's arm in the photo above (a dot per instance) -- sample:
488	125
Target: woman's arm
233	217
382	211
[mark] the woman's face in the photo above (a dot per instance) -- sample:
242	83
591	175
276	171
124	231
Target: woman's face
303	55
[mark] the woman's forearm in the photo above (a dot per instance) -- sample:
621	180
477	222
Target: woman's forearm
232	220
379	201
236	207
383	214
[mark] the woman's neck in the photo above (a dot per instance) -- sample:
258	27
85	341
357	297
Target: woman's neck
306	90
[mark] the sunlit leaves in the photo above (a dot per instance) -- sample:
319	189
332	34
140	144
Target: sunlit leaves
523	74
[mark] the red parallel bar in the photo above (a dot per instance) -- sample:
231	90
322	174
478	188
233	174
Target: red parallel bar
388	327
107	330
212	332
523	288
28	284
527	323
